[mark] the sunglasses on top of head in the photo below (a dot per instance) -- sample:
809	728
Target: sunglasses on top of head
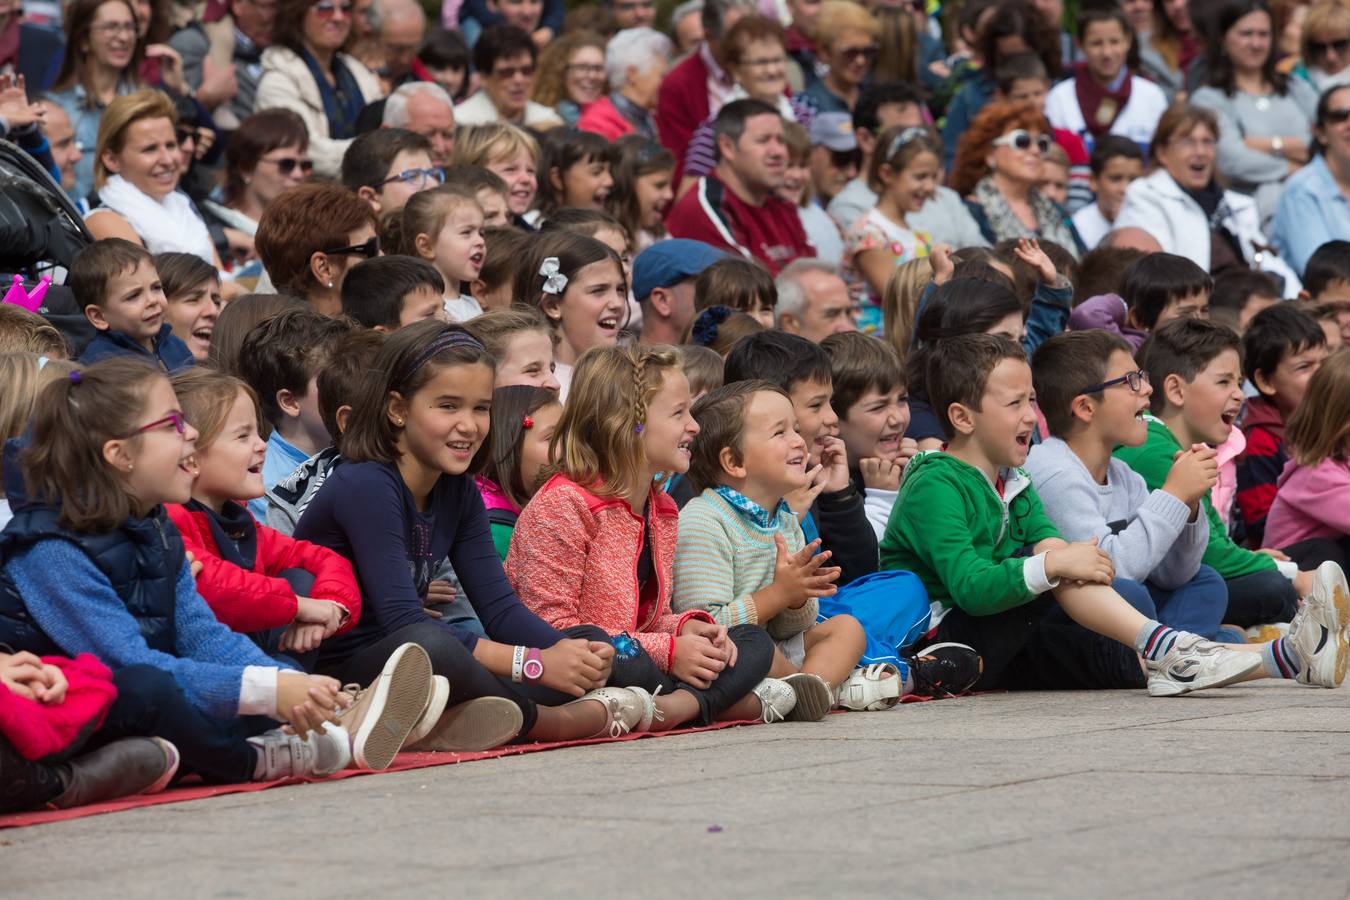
1021	139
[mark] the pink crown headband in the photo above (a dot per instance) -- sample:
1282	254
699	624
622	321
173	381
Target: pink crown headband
29	301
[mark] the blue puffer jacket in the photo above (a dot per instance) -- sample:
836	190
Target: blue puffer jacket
170	353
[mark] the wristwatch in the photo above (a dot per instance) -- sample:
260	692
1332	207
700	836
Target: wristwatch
1277	145
534	665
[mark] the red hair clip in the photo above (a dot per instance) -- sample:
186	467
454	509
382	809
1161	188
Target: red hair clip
526	422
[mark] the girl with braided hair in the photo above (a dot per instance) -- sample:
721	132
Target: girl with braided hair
595	546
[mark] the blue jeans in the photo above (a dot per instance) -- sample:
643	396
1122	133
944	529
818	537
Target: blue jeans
1198	606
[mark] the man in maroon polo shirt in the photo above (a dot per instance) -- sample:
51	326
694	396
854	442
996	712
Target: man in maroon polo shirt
735	207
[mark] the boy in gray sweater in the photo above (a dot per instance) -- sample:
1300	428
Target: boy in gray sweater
1094	398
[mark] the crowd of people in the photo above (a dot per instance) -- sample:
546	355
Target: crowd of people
441	378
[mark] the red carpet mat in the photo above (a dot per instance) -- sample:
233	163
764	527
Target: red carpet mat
403	763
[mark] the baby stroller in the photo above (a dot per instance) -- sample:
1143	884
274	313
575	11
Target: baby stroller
41	231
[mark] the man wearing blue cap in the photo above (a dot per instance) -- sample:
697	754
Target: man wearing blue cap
663	282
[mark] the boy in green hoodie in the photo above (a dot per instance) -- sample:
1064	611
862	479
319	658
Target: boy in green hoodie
969	524
1196	372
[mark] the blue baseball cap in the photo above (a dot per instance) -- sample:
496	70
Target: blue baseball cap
669	262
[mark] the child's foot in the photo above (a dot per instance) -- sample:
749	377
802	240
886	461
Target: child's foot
480	724
650	713
319	755
624	710
776	699
1318	630
431	715
874	688
945	670
382	716
814	697
1194	664
139	765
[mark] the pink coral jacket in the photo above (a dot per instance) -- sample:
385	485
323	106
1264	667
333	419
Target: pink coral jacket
573	561
1310	503
1224	492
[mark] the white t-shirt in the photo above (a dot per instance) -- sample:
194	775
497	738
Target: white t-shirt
1091	224
462	308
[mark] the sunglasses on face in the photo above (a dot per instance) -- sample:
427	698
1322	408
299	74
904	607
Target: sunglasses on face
370	249
1321	48
1135	381
1021	139
866	53
1338	116
843	159
506	73
179	425
416	178
327	9
286	165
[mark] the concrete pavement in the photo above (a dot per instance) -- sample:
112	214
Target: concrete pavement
1242	792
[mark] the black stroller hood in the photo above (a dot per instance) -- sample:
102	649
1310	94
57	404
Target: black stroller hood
40	229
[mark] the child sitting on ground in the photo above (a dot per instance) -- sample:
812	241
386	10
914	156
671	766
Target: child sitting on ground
703	367
524	419
443	226
1116	161
388	292
1239	295
594	551
281	358
23	375
22	331
1197	395
287	595
869	397
502	248
117	286
95	566
830	506
1155	289
1313	499
522	343
969	523
1093	395
1281	351
739	284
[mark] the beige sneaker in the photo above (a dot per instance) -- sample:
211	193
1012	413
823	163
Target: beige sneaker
480	724
431	715
385	713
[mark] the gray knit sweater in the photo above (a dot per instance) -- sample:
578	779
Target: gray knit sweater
1146	533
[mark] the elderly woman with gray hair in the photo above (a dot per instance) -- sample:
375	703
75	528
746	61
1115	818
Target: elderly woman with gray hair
636	59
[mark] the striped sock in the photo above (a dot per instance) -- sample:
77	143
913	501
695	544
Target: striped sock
1154	640
1281	659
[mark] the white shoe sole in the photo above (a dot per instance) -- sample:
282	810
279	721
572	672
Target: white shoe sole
400	697
814	697
480	724
172	759
1332	593
1170	688
436	700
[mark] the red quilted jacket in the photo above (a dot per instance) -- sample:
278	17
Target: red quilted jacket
258	600
573	561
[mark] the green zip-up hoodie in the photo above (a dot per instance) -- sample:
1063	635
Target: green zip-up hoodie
952	529
1153	460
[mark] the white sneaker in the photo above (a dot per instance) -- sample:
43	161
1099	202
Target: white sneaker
873	688
1318	629
1194	664
814	697
624	709
431	714
777	699
319	755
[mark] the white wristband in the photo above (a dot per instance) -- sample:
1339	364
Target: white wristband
518	664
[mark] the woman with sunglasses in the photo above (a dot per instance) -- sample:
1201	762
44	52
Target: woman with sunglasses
998	167
137	173
266	155
846	39
1325	45
305	72
1187	212
310	237
1313	208
1265	117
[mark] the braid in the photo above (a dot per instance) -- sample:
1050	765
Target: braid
640	389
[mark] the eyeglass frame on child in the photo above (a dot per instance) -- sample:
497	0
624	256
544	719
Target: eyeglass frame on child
179	421
1133	380
1014	139
407	176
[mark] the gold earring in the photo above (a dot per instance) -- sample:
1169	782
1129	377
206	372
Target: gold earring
398	423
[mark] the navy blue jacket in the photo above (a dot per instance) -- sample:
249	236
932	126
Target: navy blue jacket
170	353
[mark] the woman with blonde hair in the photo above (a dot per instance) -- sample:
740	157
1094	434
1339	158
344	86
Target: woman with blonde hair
846	40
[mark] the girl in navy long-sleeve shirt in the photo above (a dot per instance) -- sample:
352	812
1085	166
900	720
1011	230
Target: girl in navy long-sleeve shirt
403	501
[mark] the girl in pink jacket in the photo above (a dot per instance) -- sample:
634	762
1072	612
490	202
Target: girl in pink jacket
1312	500
595	546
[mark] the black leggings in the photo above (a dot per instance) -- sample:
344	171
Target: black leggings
1260	598
469	678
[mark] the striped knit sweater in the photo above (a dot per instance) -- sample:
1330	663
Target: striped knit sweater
722	558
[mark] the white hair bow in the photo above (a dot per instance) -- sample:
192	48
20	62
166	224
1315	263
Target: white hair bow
555	282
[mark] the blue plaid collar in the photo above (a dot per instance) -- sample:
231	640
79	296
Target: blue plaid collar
751	510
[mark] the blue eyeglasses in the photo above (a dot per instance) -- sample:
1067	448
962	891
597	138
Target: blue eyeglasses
1133	380
417	178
